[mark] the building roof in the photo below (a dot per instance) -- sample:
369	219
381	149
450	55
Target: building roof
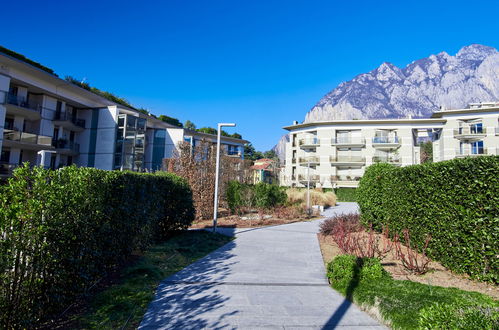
365	122
473	107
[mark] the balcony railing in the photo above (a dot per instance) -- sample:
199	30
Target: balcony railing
348	140
344	178
474	152
66	116
309	142
311	177
25	137
347	159
234	153
470	131
67	145
22	102
312	160
386	159
386	140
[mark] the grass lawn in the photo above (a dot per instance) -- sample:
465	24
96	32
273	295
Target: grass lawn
123	304
401	303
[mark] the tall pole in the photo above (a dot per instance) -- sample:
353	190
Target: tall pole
308	187
217	170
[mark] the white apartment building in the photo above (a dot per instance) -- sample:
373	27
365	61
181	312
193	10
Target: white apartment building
336	153
48	121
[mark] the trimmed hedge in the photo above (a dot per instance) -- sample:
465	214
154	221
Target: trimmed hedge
262	195
63	230
456	202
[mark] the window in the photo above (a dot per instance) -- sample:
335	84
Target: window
477	148
5	156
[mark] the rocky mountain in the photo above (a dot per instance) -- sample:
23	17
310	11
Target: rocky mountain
418	89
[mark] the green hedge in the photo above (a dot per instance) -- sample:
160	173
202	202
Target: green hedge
262	195
456	202
63	230
346	194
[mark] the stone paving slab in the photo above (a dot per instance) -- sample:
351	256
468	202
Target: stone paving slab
267	278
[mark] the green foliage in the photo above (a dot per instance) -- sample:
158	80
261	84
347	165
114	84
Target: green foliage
250	152
214	131
63	230
347	271
110	96
170	120
456	202
127	300
23	58
262	195
190	125
426	152
459	315
406	304
345	194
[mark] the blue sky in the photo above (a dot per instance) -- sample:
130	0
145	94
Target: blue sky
260	64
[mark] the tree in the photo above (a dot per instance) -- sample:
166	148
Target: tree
190	125
236	136
270	154
170	120
250	152
207	130
426	154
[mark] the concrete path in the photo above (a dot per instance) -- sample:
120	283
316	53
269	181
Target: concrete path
267	278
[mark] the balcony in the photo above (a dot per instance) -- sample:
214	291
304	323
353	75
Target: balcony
473	152
66	147
345	181
309	143
20	106
312	160
347	160
24	140
6	169
68	121
391	159
348	141
312	177
470	132
234	153
386	142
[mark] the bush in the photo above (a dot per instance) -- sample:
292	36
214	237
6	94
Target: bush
349	222
459	315
299	197
262	195
346	271
346	194
63	230
455	201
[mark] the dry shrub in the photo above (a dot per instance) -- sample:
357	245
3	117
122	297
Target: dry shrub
317	197
197	165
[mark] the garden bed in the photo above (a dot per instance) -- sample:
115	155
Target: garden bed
278	216
437	275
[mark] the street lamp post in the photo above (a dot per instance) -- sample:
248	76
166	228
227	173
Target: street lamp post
215	199
308	187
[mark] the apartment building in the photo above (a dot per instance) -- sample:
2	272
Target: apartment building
48	121
336	153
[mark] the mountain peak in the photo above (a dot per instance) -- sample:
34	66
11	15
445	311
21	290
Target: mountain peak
475	52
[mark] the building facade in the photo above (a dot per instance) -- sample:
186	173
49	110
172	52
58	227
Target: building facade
336	153
48	121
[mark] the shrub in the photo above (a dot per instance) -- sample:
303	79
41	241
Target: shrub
346	194
347	271
262	195
317	197
456	202
459	315
348	222
63	230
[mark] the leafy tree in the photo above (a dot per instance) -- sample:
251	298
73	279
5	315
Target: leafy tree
236	136
189	125
250	152
270	154
207	130
170	120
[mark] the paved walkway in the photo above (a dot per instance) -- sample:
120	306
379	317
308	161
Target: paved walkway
267	278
